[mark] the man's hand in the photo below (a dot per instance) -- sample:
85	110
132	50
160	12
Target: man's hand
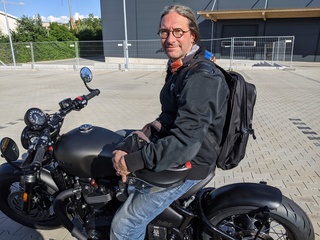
120	165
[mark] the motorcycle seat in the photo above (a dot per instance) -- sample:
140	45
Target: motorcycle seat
198	186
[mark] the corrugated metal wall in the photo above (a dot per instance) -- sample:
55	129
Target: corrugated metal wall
143	20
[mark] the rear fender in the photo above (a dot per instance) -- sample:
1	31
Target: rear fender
210	200
242	194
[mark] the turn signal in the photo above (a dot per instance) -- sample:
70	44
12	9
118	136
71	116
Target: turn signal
25	197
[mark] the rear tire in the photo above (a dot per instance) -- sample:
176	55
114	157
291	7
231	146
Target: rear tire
287	222
41	215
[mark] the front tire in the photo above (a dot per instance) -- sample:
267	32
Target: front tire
41	215
287	222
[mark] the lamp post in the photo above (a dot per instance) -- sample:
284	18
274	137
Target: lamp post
9	33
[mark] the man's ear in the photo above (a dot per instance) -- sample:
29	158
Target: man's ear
193	37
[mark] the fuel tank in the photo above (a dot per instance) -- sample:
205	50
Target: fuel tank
86	151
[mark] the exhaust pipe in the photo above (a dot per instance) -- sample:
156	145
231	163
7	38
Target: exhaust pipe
60	210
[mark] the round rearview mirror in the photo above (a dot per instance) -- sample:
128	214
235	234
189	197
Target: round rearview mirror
9	149
86	74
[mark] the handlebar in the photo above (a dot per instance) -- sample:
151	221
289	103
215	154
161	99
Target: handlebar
92	94
38	158
50	127
41	147
67	105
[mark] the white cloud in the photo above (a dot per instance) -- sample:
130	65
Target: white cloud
78	16
63	19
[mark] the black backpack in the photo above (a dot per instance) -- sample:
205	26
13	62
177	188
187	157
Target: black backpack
238	125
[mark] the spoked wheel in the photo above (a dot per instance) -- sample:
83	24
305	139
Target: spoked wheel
41	215
287	222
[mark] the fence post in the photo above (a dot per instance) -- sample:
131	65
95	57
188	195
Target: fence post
231	53
292	45
273	52
126	54
278	49
32	55
77	54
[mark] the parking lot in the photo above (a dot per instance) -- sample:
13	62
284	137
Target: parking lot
286	153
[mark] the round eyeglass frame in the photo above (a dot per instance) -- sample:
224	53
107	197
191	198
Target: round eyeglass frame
174	32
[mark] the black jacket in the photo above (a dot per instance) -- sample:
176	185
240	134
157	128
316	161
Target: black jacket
194	105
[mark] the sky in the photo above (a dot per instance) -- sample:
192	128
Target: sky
52	10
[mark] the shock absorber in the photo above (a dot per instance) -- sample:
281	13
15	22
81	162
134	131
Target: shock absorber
28	182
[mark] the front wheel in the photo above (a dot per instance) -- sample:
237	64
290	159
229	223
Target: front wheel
287	222
41	215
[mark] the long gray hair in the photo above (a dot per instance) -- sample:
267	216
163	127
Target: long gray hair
185	12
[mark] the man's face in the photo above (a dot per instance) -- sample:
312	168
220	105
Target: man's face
176	48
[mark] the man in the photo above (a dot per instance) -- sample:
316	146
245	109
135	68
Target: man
189	128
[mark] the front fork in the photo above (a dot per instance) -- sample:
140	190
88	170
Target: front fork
28	181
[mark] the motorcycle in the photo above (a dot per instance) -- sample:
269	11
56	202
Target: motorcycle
69	179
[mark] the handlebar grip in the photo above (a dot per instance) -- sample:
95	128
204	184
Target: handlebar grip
92	94
38	158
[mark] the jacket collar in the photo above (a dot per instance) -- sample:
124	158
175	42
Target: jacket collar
174	66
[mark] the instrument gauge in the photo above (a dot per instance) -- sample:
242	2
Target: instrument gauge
35	117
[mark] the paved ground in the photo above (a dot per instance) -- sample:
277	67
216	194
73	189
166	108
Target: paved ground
286	153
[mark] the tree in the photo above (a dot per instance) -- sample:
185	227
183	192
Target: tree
30	30
92	22
53	42
60	33
3	38
90	29
5	51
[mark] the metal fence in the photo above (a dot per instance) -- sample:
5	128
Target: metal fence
260	51
249	51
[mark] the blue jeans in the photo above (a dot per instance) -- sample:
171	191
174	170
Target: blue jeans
139	209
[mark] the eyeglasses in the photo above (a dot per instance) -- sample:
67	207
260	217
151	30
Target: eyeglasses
177	33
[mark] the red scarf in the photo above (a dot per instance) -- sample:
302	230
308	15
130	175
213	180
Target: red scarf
176	65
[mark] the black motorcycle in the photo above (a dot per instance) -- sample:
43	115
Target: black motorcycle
69	179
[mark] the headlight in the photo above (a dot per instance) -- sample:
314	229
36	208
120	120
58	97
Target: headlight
26	137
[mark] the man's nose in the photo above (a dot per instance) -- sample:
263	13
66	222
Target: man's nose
170	37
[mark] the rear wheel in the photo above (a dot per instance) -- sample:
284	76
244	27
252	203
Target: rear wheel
287	222
41	215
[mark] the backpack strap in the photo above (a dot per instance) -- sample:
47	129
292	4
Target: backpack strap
196	65
200	66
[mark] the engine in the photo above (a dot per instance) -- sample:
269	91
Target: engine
95	193
102	198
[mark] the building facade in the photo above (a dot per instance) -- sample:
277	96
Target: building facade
221	19
3	23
